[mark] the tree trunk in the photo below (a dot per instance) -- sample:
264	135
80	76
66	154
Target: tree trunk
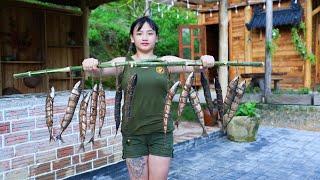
268	60
223	44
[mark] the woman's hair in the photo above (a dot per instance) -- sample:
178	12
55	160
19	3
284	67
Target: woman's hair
140	22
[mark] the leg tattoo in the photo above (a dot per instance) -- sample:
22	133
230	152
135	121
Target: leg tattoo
137	167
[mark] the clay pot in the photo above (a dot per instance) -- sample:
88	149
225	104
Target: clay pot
208	120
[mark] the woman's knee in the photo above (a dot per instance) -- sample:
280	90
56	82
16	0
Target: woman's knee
138	167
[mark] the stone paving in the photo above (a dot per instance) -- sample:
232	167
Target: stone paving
278	153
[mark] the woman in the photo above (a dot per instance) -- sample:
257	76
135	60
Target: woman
145	147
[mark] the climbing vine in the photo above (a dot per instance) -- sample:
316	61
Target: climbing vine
300	44
271	45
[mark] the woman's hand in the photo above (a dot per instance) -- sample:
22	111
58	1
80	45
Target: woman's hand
90	65
207	61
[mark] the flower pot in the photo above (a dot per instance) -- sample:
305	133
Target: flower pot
208	119
32	82
243	128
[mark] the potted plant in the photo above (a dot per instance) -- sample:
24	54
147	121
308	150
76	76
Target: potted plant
244	126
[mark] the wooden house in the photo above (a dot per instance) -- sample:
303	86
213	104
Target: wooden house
38	34
246	39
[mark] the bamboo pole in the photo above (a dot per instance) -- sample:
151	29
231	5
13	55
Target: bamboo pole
307	64
146	63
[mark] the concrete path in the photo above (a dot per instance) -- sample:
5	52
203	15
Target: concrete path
278	153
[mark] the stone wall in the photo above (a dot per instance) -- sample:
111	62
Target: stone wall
25	151
290	116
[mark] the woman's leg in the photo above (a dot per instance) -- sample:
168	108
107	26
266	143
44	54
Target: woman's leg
158	167
138	168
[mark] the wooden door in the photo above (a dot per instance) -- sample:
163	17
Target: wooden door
192	45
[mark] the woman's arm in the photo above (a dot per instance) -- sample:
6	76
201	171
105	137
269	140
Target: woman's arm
90	66
207	61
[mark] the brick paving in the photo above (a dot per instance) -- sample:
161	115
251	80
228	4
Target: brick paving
278	153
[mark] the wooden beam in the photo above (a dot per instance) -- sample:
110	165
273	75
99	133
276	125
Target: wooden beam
316	11
95	3
307	65
268	58
232	70
85	28
223	44
247	39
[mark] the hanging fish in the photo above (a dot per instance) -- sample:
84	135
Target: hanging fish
72	104
184	96
102	107
207	93
49	113
235	103
129	97
117	104
83	120
231	93
167	107
195	102
93	112
219	97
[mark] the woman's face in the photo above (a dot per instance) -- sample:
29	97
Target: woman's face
144	39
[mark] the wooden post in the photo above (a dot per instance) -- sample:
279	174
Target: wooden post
147	8
0	70
232	70
268	59
247	39
223	45
307	64
85	21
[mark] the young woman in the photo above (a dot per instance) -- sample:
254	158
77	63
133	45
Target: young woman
145	147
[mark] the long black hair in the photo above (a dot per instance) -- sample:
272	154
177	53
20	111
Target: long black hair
139	23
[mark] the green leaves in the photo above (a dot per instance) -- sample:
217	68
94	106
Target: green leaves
300	44
247	109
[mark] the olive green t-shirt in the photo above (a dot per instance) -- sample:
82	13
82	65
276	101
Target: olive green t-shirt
148	101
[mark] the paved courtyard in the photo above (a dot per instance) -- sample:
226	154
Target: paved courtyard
278	153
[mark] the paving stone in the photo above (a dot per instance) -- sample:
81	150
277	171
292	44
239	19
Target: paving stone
278	153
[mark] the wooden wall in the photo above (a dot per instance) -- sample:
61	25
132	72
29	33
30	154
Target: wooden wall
50	46
286	58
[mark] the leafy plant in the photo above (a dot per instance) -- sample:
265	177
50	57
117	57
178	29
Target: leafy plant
271	45
318	88
300	44
304	90
247	109
251	89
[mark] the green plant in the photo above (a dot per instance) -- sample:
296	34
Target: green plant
108	83
271	45
251	89
247	109
304	90
298	36
318	88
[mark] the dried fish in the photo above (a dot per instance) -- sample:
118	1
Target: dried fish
49	113
93	112
207	93
129	97
234	106
102	107
167	107
219	97
117	104
83	119
231	93
184	96
195	102
72	103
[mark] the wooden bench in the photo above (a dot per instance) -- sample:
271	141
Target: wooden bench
276	83
257	79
